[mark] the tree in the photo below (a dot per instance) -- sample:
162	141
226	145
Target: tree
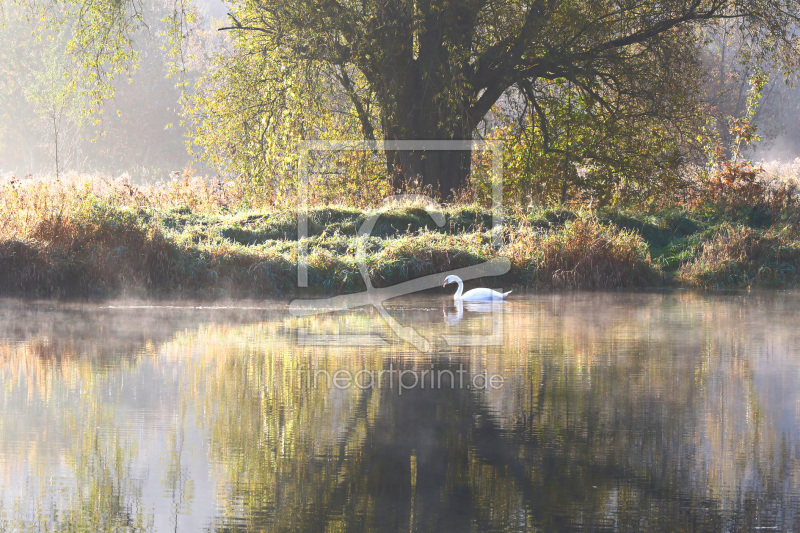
255	104
416	69
41	99
436	69
559	145
59	106
63	94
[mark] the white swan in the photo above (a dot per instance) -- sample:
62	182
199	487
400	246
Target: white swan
475	295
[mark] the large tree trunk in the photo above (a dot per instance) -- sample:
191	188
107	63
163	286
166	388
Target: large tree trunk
422	84
440	173
416	115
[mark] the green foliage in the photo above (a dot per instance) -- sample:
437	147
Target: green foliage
596	102
562	143
731	186
259	101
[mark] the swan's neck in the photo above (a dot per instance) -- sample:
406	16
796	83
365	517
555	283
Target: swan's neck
457	295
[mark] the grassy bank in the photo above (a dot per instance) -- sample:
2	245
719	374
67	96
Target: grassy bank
86	237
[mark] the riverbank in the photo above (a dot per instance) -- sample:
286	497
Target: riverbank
82	239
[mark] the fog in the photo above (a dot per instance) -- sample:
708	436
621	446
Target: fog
45	129
44	124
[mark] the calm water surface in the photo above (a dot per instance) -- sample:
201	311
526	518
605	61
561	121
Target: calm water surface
610	411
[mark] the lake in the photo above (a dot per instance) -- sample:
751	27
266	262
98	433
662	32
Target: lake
667	411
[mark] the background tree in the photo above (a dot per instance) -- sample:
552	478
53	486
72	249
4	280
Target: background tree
59	106
609	86
40	102
57	103
727	71
435	69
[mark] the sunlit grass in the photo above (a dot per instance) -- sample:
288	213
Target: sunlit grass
94	236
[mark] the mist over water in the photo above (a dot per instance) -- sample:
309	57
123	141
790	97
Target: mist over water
667	411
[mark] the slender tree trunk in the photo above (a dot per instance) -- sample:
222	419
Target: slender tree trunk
55	141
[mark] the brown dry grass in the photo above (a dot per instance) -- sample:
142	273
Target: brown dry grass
91	235
583	254
744	257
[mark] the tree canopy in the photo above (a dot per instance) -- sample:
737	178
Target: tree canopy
436	69
613	86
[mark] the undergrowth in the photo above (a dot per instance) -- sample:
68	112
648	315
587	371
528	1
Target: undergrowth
97	237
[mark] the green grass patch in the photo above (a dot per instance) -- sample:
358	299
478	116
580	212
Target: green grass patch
102	246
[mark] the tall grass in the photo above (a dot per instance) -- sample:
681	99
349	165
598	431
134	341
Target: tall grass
95	236
583	253
744	257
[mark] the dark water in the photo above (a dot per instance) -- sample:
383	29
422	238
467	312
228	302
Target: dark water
655	412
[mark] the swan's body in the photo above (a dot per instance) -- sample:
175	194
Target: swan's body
475	295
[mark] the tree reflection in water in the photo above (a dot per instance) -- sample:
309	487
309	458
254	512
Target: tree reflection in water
618	411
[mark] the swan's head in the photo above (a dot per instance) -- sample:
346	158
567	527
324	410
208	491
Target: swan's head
451	279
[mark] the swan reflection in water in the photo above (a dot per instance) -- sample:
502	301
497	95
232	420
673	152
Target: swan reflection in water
473	307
